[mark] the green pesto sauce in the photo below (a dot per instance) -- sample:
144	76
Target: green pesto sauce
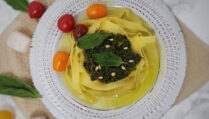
120	45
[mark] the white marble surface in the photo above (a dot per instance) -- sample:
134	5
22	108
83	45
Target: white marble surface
194	13
194	107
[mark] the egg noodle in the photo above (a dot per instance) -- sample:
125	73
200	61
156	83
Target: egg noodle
123	92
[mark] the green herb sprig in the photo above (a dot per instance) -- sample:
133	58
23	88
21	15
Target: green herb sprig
14	87
21	5
90	41
108	59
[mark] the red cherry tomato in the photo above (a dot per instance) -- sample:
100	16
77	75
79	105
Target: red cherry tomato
60	61
36	9
66	23
79	30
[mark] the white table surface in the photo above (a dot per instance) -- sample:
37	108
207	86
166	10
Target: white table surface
193	13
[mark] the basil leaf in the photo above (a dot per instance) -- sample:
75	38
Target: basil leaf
14	87
92	40
107	59
21	5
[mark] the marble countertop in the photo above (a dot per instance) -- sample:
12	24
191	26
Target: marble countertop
194	14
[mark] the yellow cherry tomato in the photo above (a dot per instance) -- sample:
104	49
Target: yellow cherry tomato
96	11
4	114
60	61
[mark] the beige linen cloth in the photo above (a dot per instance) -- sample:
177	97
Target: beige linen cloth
17	64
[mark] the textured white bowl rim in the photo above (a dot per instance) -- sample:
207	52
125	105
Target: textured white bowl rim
60	101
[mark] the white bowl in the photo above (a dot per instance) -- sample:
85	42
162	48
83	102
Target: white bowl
60	101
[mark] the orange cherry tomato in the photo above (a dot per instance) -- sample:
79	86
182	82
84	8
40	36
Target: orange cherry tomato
60	61
96	11
5	114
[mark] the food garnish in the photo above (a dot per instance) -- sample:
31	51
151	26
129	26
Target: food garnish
107	59
79	30
35	9
6	114
112	59
21	5
90	41
96	11
66	23
60	61
14	87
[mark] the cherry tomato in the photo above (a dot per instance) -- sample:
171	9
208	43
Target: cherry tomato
5	114
96	11
66	23
79	30
36	9
60	61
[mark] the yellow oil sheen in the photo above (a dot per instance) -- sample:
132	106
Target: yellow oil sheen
123	92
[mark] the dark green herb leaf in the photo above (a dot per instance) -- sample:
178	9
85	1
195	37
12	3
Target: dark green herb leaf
14	87
21	5
107	59
90	41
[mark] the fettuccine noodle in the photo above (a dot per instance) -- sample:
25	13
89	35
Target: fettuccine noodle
122	92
